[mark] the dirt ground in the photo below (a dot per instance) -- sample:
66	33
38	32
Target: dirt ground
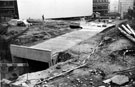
108	57
91	62
40	31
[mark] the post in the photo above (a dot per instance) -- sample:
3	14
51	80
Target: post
0	78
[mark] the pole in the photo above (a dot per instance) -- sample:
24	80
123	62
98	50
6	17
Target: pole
118	6
0	78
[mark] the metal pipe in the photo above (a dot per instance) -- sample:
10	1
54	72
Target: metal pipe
133	32
126	29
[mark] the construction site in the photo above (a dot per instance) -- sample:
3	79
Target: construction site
90	48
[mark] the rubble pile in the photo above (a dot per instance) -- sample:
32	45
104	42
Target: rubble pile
40	31
104	60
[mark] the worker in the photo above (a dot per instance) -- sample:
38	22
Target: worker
5	41
43	18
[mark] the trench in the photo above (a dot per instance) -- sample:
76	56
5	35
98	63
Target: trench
36	65
33	65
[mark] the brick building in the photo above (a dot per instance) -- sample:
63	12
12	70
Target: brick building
8	9
101	6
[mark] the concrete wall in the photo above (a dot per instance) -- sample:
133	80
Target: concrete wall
54	8
33	54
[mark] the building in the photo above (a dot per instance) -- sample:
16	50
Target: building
101	6
124	5
114	6
8	9
121	6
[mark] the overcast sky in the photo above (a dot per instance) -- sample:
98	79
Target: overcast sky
54	8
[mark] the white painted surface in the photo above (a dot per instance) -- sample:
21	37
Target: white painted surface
54	8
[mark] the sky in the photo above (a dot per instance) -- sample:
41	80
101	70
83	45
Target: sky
54	8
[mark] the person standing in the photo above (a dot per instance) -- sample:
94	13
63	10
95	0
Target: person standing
43	18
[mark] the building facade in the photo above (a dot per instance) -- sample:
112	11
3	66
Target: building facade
8	9
124	5
121	6
114	6
101	6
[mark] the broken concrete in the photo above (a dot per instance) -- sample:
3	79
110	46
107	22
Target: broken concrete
90	67
120	79
47	50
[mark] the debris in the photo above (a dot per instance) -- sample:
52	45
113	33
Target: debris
24	85
127	51
101	86
107	81
13	22
127	31
49	29
61	74
58	67
117	79
63	56
23	23
5	81
120	79
107	38
91	68
133	32
74	26
127	35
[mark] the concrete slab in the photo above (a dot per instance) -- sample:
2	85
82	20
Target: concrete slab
64	42
68	40
44	51
33	54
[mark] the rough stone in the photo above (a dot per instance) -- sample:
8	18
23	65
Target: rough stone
120	79
107	38
102	86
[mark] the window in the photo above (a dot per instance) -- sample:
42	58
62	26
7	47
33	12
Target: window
106	0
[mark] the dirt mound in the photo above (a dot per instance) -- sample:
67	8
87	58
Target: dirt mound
108	57
82	49
105	60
